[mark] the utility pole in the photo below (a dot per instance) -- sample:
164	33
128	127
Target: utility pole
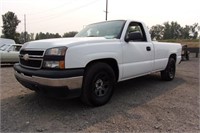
106	10
199	35
24	28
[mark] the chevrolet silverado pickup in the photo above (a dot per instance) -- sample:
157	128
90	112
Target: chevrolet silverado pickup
91	63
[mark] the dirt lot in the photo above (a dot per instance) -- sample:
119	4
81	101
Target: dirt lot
144	104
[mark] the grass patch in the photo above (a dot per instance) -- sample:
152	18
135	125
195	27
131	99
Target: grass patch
189	42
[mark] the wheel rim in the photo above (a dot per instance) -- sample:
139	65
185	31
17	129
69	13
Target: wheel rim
172	70
101	84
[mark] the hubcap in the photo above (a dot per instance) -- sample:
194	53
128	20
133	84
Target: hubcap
101	85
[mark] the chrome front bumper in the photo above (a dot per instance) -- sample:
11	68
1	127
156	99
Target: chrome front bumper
71	82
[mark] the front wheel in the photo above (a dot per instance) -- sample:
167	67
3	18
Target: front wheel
169	73
98	84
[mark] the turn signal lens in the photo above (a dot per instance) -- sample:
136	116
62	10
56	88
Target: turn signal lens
62	64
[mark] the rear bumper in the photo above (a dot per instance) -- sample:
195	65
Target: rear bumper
63	83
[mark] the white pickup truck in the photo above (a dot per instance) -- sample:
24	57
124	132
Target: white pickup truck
89	64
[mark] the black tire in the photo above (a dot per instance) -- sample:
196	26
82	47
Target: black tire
169	73
98	84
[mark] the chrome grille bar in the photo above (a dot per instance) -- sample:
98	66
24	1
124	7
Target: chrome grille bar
31	58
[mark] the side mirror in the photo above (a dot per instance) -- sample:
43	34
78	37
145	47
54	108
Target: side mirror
134	36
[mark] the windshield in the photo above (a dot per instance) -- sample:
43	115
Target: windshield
4	47
108	29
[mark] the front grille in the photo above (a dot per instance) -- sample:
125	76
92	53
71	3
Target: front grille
31	52
31	63
31	58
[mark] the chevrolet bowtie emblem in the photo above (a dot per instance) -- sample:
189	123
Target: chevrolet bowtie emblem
26	57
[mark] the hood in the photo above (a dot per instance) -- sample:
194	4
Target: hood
68	42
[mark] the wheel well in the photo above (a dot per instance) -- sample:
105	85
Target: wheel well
173	56
111	62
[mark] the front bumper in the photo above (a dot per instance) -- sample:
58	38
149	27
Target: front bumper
67	82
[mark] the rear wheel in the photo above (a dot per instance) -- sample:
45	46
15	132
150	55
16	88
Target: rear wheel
98	84
169	73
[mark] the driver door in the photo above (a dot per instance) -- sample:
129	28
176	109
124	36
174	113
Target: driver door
138	55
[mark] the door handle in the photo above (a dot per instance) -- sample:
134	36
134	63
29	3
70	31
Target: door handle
148	48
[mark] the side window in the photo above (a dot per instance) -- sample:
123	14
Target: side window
137	28
17	48
14	48
11	48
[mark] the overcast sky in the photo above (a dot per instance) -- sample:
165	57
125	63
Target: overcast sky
60	16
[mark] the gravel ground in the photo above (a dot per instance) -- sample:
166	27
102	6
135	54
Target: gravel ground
144	104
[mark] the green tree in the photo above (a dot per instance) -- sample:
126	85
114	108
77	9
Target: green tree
167	31
10	23
37	37
46	35
172	31
57	35
157	32
194	31
70	34
29	37
185	32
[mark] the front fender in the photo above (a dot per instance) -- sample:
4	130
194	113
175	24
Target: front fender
79	57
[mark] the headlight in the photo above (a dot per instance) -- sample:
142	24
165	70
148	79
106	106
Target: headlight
54	64
55	58
60	51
